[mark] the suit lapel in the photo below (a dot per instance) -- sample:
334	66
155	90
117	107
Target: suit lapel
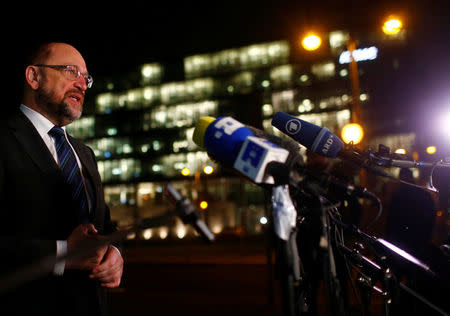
29	138
89	169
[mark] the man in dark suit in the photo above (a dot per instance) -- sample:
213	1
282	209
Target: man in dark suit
51	197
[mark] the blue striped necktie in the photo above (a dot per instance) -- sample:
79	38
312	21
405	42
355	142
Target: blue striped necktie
72	174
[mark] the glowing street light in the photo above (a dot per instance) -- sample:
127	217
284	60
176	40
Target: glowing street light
431	150
352	132
311	42
203	205
208	170
185	172
392	26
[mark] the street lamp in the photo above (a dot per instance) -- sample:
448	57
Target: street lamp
392	26
311	42
352	133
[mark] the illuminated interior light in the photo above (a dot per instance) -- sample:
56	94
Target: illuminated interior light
208	170
181	232
352	133
156	168
304	78
163	232
131	236
185	172
311	42
116	171
343	73
147	234
111	131
217	229
265	83
267	109
431	150
203	205
263	220
363	97
400	151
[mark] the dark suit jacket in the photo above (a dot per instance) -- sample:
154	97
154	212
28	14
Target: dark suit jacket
36	209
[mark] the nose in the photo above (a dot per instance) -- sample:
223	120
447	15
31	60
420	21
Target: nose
80	83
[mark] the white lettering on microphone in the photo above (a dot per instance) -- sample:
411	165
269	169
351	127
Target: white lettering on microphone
327	144
229	125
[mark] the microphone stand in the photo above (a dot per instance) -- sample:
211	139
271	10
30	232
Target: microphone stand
371	272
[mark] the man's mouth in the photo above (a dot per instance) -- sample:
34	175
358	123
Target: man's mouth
76	97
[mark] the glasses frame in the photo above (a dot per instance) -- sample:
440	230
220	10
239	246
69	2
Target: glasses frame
77	74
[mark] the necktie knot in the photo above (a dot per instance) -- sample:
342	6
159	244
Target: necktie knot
56	132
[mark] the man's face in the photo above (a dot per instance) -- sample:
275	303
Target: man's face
60	96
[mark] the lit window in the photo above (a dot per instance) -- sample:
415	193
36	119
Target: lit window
265	83
363	97
338	39
343	73
111	131
156	145
323	70
267	109
156	168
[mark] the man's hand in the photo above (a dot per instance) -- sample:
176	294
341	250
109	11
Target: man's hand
109	271
81	234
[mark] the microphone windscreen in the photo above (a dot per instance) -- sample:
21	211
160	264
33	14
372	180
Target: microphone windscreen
222	137
200	129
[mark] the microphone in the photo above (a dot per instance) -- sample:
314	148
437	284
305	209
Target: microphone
232	143
317	139
322	141
186	211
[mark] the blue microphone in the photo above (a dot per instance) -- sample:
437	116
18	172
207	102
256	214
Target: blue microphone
317	139
221	137
233	144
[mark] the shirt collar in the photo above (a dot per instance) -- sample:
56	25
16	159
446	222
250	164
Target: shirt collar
40	122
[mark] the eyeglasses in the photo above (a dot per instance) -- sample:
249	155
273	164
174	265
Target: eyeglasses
71	72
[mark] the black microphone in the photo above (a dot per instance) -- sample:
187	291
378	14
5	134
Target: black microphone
186	211
323	142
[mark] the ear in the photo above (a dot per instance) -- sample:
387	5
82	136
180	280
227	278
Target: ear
32	77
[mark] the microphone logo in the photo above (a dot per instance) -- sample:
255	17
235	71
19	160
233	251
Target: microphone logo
293	126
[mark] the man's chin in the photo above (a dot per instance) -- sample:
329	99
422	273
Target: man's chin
72	113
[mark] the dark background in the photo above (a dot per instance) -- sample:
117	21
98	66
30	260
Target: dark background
117	38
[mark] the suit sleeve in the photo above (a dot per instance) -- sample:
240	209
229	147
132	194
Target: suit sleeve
17	251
